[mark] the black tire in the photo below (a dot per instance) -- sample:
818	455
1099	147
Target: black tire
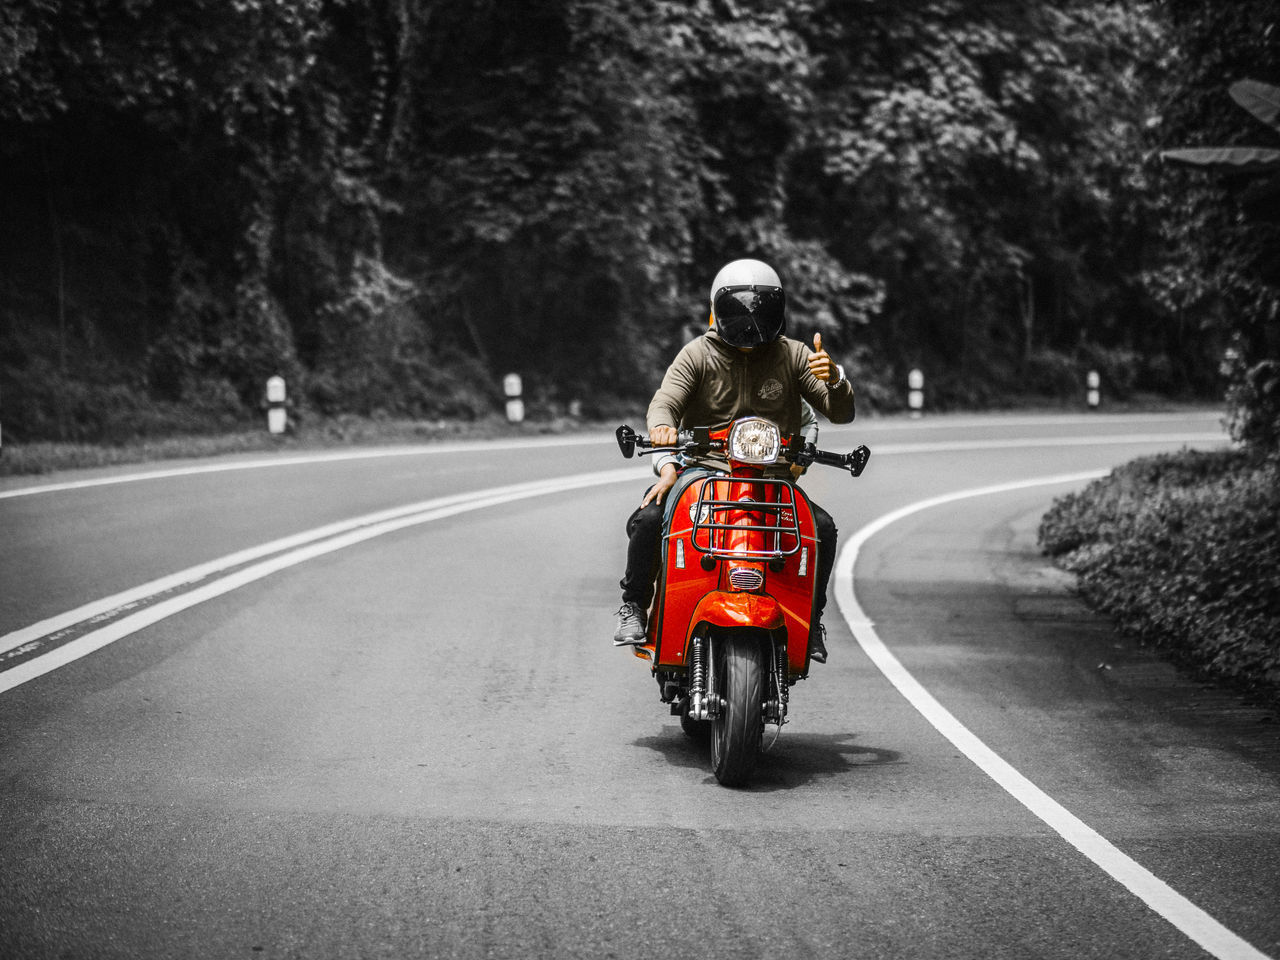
736	732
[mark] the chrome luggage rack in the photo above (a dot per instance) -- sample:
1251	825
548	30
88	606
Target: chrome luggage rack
712	506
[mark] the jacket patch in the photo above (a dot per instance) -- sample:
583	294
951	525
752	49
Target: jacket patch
770	390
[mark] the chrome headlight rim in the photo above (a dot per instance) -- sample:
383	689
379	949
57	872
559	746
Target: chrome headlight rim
755	440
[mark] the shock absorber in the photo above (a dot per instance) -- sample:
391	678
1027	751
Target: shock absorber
780	674
698	680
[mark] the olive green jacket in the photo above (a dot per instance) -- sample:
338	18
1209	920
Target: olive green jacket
710	384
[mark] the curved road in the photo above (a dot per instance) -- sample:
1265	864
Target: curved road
370	717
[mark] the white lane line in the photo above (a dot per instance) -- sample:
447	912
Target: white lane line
307	546
1190	919
1016	443
373	453
419	450
173	581
948	421
191	575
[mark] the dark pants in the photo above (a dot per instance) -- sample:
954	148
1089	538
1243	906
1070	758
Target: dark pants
644	530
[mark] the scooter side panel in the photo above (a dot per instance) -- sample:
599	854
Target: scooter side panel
793	586
683	582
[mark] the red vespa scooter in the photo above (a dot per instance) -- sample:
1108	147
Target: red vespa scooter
728	633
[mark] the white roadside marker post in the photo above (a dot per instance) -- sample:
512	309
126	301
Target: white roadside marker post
277	416
1093	394
915	393
512	387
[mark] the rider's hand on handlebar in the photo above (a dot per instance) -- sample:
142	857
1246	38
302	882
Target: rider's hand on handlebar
664	436
659	491
820	364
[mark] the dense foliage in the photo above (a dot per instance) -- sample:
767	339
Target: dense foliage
1184	551
394	202
1218	271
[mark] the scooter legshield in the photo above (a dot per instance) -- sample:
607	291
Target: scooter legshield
689	595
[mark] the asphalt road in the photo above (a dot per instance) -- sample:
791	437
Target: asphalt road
415	739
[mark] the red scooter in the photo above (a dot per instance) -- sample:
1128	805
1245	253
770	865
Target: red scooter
728	633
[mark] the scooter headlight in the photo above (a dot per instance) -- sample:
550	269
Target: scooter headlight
755	440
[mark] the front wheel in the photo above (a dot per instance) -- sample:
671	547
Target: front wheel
736	731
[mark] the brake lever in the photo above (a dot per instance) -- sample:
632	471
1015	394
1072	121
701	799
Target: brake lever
800	451
695	441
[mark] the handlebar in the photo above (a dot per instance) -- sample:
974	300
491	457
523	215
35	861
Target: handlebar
689	441
698	441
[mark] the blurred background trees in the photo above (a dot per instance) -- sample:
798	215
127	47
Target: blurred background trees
394	202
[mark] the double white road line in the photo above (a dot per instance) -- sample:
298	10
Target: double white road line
35	650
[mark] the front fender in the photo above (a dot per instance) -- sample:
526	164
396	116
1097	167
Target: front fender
720	608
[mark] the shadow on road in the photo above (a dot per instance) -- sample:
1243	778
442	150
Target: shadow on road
796	759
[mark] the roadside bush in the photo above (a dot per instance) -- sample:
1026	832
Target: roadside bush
1183	550
43	403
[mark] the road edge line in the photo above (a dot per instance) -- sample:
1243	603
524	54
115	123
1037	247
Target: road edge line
302	460
1189	919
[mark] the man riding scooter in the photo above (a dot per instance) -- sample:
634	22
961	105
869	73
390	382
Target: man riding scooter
742	366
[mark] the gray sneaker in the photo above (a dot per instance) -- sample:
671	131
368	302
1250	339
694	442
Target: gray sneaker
631	625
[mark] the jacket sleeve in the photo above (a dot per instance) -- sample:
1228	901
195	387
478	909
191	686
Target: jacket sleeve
808	422
679	384
834	403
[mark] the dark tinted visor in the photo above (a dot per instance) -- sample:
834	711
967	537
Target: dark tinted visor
749	316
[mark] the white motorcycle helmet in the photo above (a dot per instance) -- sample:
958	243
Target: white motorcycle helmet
748	307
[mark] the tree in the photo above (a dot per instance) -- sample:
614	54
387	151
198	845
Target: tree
979	166
1252	363
394	203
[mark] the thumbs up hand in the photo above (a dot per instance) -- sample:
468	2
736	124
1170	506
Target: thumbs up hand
820	364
